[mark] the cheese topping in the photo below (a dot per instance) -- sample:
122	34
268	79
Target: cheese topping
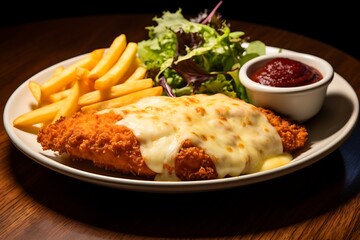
235	134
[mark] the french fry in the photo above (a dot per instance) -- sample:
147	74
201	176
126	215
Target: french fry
139	73
68	75
59	95
110	57
42	114
115	91
33	129
58	82
113	76
131	69
35	89
58	70
123	100
100	80
71	102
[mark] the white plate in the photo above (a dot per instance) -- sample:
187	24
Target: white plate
327	131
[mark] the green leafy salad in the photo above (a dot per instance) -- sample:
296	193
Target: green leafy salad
199	55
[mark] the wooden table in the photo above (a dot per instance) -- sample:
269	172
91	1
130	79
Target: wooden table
321	201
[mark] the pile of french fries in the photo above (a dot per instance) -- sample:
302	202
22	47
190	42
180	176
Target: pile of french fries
103	79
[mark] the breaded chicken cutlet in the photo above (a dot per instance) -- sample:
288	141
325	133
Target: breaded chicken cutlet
185	138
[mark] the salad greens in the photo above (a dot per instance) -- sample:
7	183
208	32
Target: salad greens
200	55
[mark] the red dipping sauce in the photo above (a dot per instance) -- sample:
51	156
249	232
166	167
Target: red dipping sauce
285	72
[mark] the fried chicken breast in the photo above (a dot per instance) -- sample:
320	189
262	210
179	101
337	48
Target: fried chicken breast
185	138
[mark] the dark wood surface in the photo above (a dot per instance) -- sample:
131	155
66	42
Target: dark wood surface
321	201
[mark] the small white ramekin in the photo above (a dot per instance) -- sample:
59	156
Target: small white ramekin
297	103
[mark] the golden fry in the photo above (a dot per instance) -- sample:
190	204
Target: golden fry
58	70
110	57
45	113
33	129
115	91
113	76
59	81
131	69
71	102
139	73
35	89
100	80
59	95
123	100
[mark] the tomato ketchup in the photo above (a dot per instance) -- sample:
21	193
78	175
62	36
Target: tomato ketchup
285	72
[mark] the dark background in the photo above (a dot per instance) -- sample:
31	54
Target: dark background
333	22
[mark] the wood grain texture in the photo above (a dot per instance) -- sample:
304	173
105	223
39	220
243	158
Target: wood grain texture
321	201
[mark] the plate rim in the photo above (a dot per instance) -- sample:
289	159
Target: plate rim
177	186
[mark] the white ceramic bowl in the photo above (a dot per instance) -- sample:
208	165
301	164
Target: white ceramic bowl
299	103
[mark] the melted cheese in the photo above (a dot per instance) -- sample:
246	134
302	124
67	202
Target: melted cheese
238	137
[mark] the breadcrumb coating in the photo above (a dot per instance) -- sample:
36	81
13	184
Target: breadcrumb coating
97	138
293	135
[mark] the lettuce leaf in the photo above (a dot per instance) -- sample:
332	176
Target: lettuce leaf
196	56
